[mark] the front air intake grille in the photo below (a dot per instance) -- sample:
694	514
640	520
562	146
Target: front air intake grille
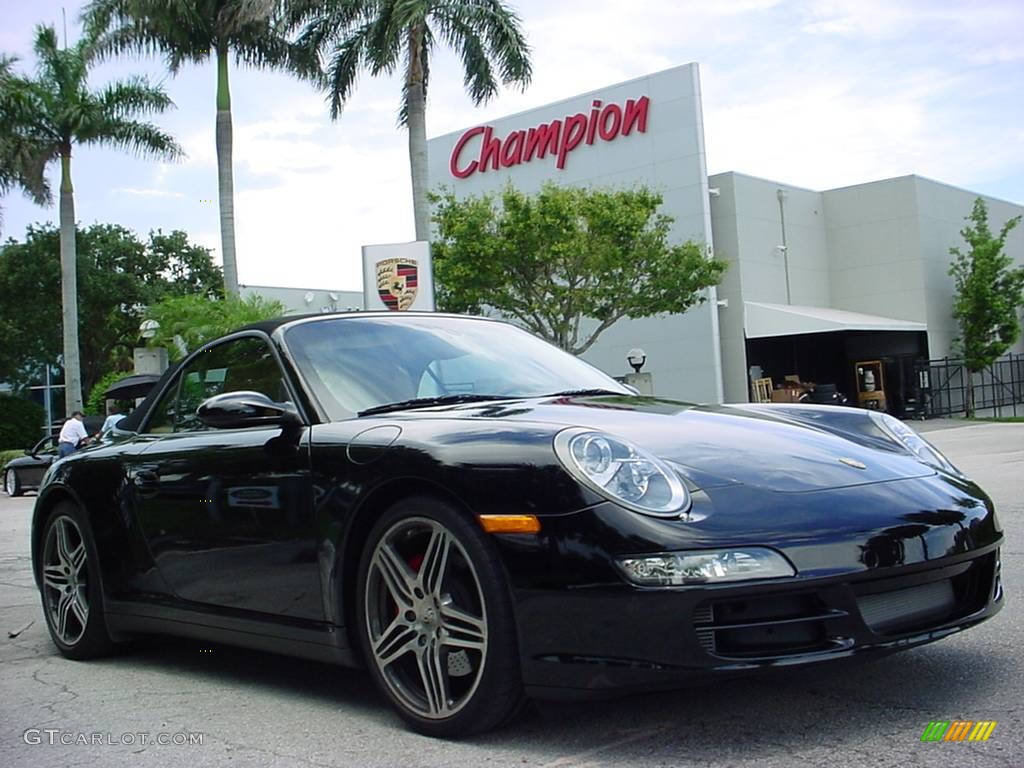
772	626
892	606
769	626
888	612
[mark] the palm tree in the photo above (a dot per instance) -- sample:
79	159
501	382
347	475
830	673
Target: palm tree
55	111
22	161
196	31
383	34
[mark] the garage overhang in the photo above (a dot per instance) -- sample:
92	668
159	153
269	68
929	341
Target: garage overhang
763	320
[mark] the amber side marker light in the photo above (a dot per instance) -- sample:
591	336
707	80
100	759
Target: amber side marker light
510	523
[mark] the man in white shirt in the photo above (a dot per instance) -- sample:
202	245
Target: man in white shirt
111	421
71	434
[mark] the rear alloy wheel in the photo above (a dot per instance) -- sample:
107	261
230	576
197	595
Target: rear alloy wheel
436	619
72	597
11	483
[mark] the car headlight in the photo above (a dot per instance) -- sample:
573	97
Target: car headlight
713	566
913	442
622	472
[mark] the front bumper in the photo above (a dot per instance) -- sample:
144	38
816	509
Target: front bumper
631	639
863	590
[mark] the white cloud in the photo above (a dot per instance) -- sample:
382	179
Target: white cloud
136	192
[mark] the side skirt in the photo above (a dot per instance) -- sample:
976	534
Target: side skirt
322	642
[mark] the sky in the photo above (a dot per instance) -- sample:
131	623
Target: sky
817	94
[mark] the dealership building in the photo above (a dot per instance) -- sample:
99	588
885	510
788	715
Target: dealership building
821	285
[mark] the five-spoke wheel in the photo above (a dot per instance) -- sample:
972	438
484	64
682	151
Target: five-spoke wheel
66	580
12	486
437	620
68	574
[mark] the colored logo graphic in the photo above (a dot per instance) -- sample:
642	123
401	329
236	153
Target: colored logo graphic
958	730
397	281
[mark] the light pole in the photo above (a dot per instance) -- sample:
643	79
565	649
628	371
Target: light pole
781	194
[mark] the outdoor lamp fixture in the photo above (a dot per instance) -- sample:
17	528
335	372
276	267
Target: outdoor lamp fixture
636	357
148	329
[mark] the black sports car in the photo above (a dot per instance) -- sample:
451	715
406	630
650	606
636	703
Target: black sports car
479	518
25	472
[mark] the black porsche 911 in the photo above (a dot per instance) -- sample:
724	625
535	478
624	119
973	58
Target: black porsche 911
479	518
26	472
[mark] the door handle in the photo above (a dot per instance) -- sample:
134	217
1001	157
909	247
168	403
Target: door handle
146	480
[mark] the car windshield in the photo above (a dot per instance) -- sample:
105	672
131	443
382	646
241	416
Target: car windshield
354	364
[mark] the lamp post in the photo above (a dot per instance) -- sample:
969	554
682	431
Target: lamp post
781	194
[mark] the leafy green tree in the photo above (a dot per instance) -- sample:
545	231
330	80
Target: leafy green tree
565	254
196	31
118	276
95	403
989	291
21	423
56	111
187	322
22	161
383	35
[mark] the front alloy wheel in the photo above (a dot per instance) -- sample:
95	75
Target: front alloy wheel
66	580
11	483
437	621
69	580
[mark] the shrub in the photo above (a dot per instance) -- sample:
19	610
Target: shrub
21	421
6	456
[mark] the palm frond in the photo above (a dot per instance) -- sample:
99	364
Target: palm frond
134	96
499	32
180	30
344	68
478	74
140	138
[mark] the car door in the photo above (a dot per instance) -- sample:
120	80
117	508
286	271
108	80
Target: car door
43	454
227	513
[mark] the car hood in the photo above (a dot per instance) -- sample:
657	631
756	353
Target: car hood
718	445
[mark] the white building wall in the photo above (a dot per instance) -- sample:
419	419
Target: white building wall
683	351
725	229
941	212
299	301
874	249
880	248
748	230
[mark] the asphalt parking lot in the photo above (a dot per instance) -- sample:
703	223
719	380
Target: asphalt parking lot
254	709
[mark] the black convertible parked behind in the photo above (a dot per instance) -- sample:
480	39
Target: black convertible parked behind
26	472
479	518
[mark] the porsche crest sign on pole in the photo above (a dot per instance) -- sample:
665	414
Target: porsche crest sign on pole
398	277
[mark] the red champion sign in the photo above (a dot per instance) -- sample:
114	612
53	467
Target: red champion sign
557	138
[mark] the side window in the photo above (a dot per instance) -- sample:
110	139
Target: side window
242	365
162	419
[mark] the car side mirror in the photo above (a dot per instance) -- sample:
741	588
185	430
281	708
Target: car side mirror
236	410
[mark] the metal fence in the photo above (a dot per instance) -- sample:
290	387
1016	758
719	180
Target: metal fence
998	389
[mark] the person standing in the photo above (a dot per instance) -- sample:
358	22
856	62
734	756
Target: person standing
71	434
110	422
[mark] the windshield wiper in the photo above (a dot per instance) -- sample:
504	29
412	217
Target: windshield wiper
426	402
586	393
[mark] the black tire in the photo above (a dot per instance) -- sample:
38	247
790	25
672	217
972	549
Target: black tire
456	628
64	592
12	485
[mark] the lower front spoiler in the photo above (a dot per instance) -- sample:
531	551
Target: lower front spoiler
682	656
